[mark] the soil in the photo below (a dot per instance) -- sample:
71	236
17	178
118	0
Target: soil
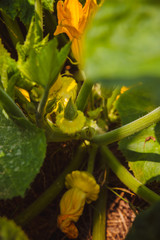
120	214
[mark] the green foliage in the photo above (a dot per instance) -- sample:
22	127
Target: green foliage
23	9
22	151
122	45
43	66
18	8
7	65
9	230
146	225
142	150
47	4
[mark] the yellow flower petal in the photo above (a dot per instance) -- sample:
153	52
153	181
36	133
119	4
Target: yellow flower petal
72	20
85	182
25	94
71	208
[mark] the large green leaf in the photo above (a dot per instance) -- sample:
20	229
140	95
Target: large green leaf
146	225
10	231
43	66
22	151
122	44
142	149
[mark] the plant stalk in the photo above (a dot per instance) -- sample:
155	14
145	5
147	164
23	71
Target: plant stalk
92	156
50	194
128	129
39	19
83	95
99	218
127	178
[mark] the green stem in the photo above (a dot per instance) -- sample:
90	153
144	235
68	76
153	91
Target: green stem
128	129
13	29
91	160
83	95
10	106
50	194
39	18
127	178
99	218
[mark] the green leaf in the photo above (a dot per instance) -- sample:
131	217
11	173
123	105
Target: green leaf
31	42
142	149
146	225
22	151
47	4
7	64
18	8
43	66
122	45
9	230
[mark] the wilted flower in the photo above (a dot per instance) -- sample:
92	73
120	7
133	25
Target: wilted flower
83	188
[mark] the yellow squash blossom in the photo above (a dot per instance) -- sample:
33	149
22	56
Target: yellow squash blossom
72	20
82	188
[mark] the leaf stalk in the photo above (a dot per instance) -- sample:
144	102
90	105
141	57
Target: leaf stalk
128	129
127	178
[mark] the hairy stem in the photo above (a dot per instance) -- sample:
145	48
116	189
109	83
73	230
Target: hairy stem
127	178
128	129
49	195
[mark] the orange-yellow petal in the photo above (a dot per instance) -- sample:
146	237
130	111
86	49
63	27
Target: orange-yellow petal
71	208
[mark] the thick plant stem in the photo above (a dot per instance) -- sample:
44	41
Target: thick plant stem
83	95
127	178
91	160
39	18
13	29
48	196
99	218
128	129
10	106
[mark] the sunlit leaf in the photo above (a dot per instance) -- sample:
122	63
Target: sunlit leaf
43	66
142	150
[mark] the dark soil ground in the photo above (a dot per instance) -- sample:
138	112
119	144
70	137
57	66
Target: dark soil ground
119	213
